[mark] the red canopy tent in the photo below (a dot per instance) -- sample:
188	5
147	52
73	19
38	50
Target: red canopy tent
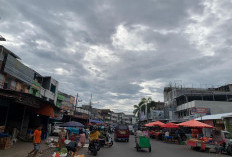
157	123
170	125
195	124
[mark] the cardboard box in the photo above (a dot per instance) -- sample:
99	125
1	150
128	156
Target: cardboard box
5	143
2	128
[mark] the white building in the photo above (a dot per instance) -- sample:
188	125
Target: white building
200	108
49	89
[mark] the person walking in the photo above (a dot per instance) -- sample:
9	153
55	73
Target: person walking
36	142
82	138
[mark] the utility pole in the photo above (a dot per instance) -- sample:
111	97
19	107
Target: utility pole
90	107
90	102
76	102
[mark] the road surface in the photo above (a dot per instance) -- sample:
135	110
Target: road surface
159	149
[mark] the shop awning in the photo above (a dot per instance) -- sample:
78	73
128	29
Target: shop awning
214	117
170	125
72	124
96	121
157	123
46	111
195	124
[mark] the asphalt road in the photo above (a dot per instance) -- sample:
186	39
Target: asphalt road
159	149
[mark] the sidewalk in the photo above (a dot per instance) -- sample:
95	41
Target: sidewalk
21	149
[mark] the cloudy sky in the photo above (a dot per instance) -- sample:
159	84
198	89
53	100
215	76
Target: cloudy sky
122	50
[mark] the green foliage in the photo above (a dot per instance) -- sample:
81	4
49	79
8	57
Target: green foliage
145	103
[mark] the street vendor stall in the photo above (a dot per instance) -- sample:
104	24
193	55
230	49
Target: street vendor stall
73	129
157	133
168	135
196	141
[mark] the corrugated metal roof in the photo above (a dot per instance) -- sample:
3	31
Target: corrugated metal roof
214	117
10	52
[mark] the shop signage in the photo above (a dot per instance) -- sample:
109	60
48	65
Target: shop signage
196	110
209	122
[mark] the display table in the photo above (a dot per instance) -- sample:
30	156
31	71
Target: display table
159	135
192	142
201	144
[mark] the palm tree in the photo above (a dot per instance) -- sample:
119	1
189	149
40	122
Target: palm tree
145	106
136	110
139	108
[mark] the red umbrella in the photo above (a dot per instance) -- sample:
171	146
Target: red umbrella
157	123
170	125
149	124
195	124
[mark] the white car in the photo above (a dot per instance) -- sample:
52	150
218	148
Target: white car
132	131
56	128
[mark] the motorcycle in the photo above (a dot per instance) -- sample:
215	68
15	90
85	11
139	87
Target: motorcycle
103	143
94	147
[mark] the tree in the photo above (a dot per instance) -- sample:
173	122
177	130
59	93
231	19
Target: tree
144	106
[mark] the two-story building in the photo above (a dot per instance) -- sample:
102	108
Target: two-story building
66	102
21	104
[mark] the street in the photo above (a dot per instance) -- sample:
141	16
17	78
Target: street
119	149
159	149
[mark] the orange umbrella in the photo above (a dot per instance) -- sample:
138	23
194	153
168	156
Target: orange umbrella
170	125
195	124
157	123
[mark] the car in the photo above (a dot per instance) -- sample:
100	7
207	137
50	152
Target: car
122	133
56	128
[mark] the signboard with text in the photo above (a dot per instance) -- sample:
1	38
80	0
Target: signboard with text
197	110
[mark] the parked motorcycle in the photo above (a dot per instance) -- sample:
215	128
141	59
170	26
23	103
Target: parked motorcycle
94	147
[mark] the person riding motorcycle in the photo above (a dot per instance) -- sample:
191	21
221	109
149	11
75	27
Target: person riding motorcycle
93	137
94	134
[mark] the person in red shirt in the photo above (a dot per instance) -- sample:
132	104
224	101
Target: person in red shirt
36	141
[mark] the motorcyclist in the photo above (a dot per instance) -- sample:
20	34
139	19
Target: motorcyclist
94	135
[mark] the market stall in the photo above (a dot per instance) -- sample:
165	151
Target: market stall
169	130
157	132
72	128
198	140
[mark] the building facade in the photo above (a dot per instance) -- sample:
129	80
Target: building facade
49	89
178	100
66	102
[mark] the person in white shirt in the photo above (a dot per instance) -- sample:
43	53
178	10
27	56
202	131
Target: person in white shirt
166	134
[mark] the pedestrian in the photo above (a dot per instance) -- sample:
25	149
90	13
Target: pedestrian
137	135
107	139
82	138
145	132
36	142
72	148
62	135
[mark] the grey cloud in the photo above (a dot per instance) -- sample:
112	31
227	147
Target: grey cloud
59	34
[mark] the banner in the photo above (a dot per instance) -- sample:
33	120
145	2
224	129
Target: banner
204	111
